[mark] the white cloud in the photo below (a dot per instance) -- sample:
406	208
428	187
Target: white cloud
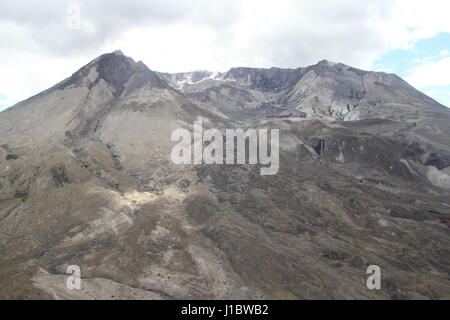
430	74
425	18
25	74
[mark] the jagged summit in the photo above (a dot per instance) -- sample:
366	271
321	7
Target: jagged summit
116	69
326	90
118	52
329	63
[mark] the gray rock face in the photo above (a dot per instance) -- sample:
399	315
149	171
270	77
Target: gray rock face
271	80
86	179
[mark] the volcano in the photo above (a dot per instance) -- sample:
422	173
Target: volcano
86	179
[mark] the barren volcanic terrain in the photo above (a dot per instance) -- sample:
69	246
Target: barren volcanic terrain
86	179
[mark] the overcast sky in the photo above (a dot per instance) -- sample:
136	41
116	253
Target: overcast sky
45	41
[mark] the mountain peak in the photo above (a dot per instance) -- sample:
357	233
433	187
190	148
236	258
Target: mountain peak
116	69
118	52
328	63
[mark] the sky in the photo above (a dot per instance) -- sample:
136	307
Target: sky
45	41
